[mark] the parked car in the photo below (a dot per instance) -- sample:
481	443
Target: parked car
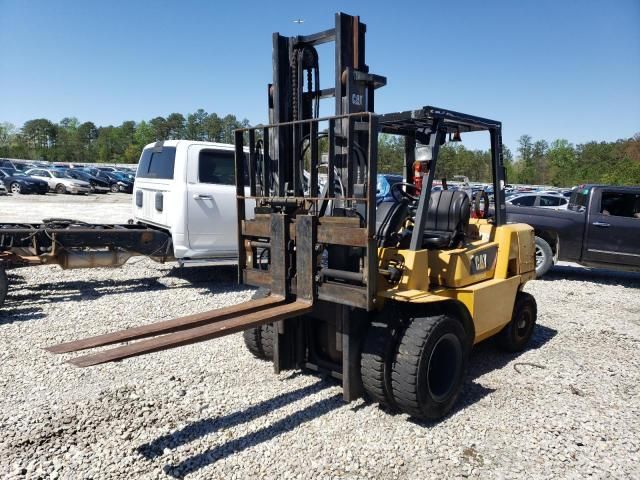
5	163
600	228
59	182
122	181
105	177
543	200
130	176
98	185
18	182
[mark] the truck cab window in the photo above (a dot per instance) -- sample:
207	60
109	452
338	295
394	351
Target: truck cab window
157	164
215	166
619	204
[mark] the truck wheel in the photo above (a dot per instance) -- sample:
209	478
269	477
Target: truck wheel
515	336
4	285
429	367
259	341
378	350
60	188
544	257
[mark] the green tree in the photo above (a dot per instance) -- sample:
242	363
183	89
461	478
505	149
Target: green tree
160	128
195	126
526	171
175	124
562	163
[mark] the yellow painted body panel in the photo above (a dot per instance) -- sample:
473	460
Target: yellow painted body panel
490	303
452	268
484	275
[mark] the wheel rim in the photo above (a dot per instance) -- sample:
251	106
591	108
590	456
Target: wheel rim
15	188
523	324
539	256
444	366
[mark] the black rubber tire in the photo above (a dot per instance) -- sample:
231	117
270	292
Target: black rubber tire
267	336
259	341
424	390
378	351
543	257
4	285
515	336
115	188
60	189
15	187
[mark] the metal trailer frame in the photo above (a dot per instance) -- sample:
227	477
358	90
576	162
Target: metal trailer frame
75	244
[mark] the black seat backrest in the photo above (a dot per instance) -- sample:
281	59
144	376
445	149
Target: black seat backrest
449	211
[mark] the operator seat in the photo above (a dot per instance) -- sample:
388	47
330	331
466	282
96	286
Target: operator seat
447	219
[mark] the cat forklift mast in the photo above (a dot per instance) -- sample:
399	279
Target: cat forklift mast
388	298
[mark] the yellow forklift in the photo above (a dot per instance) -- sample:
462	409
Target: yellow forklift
388	298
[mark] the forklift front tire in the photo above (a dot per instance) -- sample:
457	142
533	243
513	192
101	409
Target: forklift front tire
515	336
430	365
376	360
259	341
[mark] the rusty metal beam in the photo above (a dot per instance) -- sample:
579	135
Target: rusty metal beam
167	326
197	334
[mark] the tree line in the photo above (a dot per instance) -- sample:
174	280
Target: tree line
558	163
72	141
536	162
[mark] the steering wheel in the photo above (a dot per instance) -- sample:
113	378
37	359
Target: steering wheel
399	194
481	196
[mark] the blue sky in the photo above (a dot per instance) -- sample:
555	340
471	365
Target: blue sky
551	69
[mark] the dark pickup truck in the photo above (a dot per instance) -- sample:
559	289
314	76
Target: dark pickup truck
600	228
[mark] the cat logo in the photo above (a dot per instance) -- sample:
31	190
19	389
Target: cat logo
480	262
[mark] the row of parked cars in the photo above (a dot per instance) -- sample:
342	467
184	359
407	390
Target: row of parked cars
518	196
40	179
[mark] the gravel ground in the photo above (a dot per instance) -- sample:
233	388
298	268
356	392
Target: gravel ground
93	208
566	408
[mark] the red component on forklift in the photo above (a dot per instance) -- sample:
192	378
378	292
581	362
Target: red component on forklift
420	168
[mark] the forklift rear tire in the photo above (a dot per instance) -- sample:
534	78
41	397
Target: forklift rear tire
259	341
430	365
375	364
515	336
4	285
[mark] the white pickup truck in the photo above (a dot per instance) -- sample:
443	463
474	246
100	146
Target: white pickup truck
184	209
188	189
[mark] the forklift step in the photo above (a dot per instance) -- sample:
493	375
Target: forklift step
168	326
220	328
